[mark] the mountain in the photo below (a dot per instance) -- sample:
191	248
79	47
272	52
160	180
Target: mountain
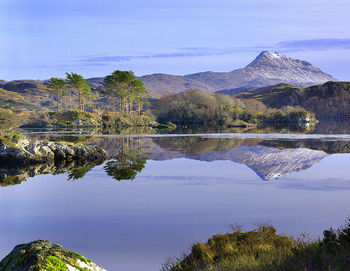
268	68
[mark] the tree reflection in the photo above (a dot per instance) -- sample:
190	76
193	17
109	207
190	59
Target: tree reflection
78	173
130	161
76	169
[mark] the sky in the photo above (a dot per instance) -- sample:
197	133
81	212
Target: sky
40	39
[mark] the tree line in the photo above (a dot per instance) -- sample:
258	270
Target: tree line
198	107
122	88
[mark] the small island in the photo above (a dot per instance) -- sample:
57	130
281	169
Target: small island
120	101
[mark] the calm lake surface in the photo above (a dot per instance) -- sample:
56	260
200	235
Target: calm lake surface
161	193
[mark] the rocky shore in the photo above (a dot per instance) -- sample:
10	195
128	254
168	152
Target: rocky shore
43	255
21	151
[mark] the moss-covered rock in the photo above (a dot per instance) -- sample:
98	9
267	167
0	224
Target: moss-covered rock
42	255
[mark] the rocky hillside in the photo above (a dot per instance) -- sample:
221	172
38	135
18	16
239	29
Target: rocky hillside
43	255
331	99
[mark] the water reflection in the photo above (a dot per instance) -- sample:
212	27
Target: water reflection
78	173
269	159
135	225
16	175
129	162
130	159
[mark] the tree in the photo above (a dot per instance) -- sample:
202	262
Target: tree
58	88
81	86
127	88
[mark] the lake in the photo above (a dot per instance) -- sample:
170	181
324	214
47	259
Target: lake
160	193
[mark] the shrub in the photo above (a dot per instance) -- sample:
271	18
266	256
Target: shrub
197	107
262	249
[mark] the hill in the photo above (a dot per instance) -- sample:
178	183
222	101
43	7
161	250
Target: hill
22	100
331	99
24	94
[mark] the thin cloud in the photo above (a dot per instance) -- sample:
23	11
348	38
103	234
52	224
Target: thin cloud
109	58
314	44
185	52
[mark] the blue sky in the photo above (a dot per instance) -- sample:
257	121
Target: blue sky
44	38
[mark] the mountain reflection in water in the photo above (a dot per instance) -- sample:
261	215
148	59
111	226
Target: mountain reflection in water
269	159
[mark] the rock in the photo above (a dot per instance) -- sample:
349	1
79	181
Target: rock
43	255
59	155
30	152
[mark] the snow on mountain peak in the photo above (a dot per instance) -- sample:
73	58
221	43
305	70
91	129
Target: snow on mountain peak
269	57
275	65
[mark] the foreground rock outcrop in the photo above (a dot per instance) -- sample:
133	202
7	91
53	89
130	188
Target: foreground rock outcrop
43	255
21	151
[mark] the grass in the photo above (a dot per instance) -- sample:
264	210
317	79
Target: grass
264	250
9	138
55	264
81	257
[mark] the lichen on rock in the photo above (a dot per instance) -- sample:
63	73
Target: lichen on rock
42	255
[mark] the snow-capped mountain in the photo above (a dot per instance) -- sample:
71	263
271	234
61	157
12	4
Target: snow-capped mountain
276	66
268	68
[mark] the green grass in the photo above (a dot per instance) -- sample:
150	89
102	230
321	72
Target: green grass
55	264
81	268
81	257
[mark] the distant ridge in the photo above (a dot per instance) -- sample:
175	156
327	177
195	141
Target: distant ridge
268	68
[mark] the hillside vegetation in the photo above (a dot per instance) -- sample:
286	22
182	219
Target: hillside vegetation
123	101
197	107
264	250
330	100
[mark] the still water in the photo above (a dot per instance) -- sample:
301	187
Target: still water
159	194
